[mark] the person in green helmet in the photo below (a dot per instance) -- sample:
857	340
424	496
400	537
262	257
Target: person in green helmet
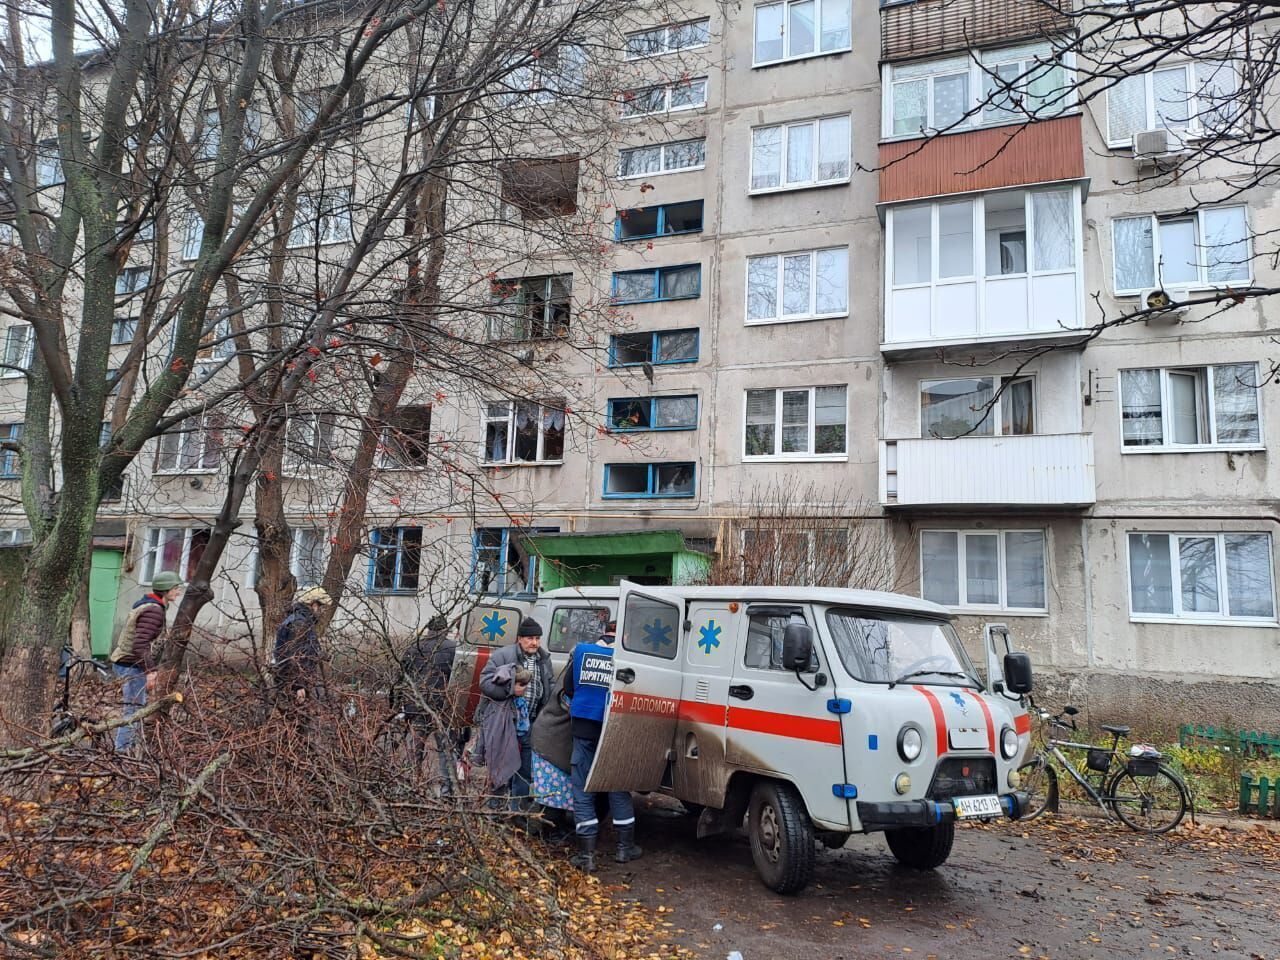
134	654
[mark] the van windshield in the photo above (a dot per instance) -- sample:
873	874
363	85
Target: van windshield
899	649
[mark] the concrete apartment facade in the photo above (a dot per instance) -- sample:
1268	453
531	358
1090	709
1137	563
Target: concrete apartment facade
858	293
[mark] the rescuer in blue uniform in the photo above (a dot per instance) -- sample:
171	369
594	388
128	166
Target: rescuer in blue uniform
587	684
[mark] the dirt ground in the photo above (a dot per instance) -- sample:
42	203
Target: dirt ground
1061	888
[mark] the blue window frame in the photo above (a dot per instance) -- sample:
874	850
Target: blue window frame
649	481
501	564
683	282
10	462
634	414
657	347
395	560
664	220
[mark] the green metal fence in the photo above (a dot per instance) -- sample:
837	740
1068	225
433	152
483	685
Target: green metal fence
1261	796
1248	743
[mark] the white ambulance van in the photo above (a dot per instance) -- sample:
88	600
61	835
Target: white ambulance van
814	713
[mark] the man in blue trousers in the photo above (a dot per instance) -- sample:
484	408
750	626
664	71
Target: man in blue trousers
587	685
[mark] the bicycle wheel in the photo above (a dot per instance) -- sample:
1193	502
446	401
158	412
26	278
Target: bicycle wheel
1040	784
1154	804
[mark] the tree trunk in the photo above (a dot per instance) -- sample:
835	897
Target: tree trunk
276	584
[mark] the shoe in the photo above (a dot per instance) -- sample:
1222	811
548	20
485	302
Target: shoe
585	858
627	849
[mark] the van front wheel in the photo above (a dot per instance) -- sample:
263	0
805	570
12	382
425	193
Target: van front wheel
782	841
922	848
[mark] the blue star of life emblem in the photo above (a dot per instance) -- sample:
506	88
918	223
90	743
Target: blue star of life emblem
494	627
710	638
657	634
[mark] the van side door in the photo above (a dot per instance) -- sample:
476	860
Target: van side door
779	722
701	774
640	722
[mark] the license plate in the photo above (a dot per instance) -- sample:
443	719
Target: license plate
968	808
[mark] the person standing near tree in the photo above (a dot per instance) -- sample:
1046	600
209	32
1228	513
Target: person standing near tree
426	668
136	650
527	652
587	684
297	651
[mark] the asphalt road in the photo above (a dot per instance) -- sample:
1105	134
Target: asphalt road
1061	888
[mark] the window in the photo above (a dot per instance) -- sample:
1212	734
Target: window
115	492
406	439
1201	576
653	413
993	87
208	136
1178	407
395	559
194	446
177	549
964	407
804	422
540	189
648	480
1186	99
14	536
123	330
216	338
808	154
308	556
501	562
798	286
520	431
1207	248
192	235
531	308
48	164
796	557
571	626
309	439
322	218
997	569
662	158
544	76
801	28
665	220
651	627
661	283
658	347
668	39
687	94
10	459
763	650
996	264
19	349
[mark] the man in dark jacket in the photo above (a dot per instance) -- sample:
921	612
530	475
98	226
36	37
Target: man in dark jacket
297	651
526	652
423	694
587	683
134	656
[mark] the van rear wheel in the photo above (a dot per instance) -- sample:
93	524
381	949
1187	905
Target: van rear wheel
782	841
922	848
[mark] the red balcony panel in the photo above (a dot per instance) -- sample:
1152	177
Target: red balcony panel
982	160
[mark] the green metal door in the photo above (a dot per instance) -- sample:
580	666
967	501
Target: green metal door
104	590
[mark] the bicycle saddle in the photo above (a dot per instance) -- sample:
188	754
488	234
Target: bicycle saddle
1118	729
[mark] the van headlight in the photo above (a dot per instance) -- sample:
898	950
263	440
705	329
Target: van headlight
910	743
1008	743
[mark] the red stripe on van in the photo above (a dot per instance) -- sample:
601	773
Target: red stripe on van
1022	724
473	692
696	711
986	712
939	720
785	725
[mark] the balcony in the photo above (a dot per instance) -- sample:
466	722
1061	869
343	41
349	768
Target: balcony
929	27
1044	470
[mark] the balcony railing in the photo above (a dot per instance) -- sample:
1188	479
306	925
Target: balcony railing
1046	470
929	27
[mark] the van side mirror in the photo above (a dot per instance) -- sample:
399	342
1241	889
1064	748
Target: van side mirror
797	646
1017	673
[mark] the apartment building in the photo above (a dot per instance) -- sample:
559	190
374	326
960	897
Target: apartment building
819	299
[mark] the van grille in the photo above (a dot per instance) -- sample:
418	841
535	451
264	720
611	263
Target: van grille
963	777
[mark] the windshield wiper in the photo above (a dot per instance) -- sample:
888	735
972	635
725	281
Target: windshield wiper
930	673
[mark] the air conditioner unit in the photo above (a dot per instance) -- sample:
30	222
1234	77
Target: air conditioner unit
1157	149
1160	303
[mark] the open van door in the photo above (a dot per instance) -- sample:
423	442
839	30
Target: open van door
644	705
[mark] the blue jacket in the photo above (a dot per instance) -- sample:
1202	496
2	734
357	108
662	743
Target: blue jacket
297	652
588	683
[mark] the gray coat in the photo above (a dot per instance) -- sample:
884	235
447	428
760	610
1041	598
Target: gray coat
498	740
510	656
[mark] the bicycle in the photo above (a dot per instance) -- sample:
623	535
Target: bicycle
1142	792
62	720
